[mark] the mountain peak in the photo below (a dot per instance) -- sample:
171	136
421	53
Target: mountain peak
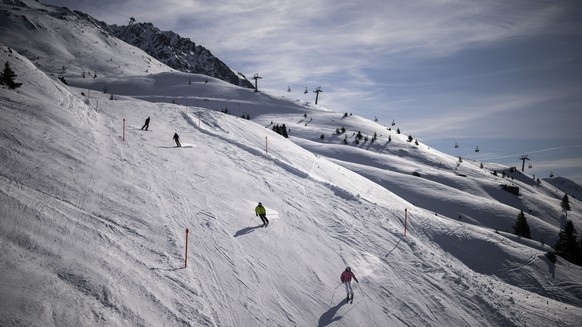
177	52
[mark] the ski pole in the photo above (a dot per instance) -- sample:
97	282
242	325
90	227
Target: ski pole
362	290
333	295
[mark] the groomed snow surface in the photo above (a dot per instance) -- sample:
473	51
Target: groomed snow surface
94	219
94	210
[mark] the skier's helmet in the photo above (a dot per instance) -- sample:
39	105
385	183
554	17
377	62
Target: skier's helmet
260	204
348	269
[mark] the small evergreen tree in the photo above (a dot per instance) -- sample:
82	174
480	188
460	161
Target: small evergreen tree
8	76
398	131
521	227
284	131
568	246
322	137
565	205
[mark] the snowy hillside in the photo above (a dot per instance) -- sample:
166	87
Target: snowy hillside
95	210
177	52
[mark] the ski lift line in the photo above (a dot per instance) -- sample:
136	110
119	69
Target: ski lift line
283	83
429	133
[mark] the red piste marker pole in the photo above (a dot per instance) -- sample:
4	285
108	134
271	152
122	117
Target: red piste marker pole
186	257
405	219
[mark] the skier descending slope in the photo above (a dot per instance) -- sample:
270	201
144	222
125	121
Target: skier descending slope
262	212
177	139
346	278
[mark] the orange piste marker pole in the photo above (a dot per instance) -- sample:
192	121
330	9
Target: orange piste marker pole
186	256
405	219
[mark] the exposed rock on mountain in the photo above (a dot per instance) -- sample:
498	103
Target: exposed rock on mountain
177	52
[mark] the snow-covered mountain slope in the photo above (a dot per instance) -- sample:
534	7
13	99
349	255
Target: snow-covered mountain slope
65	42
177	52
94	217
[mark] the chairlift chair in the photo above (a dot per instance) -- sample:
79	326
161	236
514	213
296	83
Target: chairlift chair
477	149
393	123
530	166
288	89
305	91
551	174
456	145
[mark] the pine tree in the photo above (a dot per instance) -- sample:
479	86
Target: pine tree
284	131
521	227
8	76
567	246
565	205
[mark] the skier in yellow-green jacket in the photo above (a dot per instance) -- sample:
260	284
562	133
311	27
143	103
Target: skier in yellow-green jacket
261	212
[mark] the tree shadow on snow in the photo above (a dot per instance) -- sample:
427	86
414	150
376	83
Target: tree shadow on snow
247	230
329	317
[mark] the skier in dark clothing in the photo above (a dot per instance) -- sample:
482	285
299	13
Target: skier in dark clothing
261	212
177	139
346	278
147	124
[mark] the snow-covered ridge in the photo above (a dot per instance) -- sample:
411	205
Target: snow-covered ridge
177	52
65	39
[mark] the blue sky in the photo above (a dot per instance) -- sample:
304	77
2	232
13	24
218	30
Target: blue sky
505	76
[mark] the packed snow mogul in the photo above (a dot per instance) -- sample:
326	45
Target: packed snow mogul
346	278
177	139
146	125
262	213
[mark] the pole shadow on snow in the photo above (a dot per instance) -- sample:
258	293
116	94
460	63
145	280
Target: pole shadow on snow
329	316
169	269
395	246
247	230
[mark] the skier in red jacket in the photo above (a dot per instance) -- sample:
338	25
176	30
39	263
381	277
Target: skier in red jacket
346	278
